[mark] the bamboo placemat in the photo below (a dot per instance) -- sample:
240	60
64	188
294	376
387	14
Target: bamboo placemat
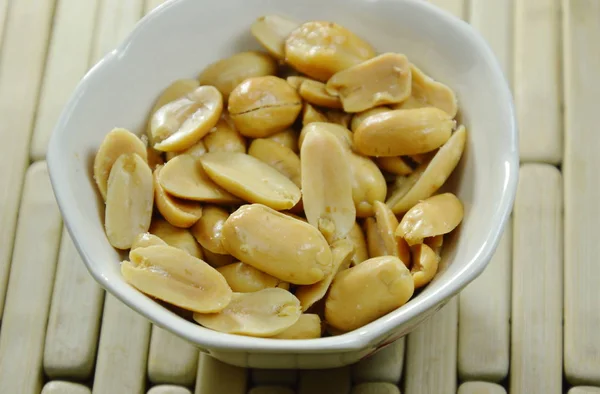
528	325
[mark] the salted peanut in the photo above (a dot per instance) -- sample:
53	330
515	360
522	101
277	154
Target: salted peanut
144	240
342	252
178	89
295	81
116	143
224	138
244	278
394	165
387	223
253	235
435	243
375	245
384	79
310	115
339	117
174	276
424	266
426	92
251	179
429	176
314	92
277	156
357	237
367	291
184	177
208	230
179	124
321	49
263	313
263	106
293	215
271	31
436	215
327	183
180	238
196	150
368	184
228	73
358	118
340	132
308	326
217	260
178	212
153	156
403	132
129	200
287	138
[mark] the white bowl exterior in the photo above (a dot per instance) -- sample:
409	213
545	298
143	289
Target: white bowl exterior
183	36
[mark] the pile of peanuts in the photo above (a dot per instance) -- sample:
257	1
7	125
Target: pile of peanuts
290	193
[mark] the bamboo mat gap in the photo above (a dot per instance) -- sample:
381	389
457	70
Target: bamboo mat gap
527	325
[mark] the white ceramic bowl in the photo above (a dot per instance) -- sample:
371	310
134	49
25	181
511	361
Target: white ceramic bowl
181	37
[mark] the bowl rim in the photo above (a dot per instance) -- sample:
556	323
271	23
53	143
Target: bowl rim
354	340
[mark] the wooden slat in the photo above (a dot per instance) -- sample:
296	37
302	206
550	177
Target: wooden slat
30	287
168	389
215	376
484	313
494	20
455	7
21	66
75	314
384	366
536	337
537	84
585	390
481	388
123	350
375	388
171	359
325	381
431	354
582	192
271	390
68	60
266	377
63	387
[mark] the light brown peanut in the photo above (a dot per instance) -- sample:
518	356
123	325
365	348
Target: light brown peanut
310	115
425	264
178	212
357	237
394	165
308	326
277	156
387	223
177	237
358	118
271	31
208	230
143	240
244	278
375	245
287	138
224	138
217	260
339	117
315	93
196	150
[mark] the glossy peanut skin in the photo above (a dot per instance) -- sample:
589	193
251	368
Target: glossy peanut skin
308	326
315	93
277	156
303	258
178	212
271	31
425	264
177	237
243	278
208	229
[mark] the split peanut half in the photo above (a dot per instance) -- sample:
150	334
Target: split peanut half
315	93
287	138
310	115
357	237
217	260
425	265
180	238
178	212
358	118
387	223
224	138
143	240
208	230
307	326
244	278
277	156
271	31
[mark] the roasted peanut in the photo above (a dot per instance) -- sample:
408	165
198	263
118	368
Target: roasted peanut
365	292
116	143
308	326
277	156
225	138
304	258
178	212
357	237
310	115
178	89
384	79
435	243
340	132
403	132
375	245
228	73
358	118
394	165
295	81
263	106
271	31
339	117
427	92
342	252
314	92
178	125
387	223
174	276
263	313
436	215
321	49
177	237
327	183
184	177
217	260
143	240
429	176
424	266
129	200
287	138
196	150
208	230
244	278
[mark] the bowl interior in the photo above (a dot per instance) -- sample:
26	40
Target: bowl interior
184	36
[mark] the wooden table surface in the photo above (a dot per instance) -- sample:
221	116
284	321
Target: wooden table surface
530	324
